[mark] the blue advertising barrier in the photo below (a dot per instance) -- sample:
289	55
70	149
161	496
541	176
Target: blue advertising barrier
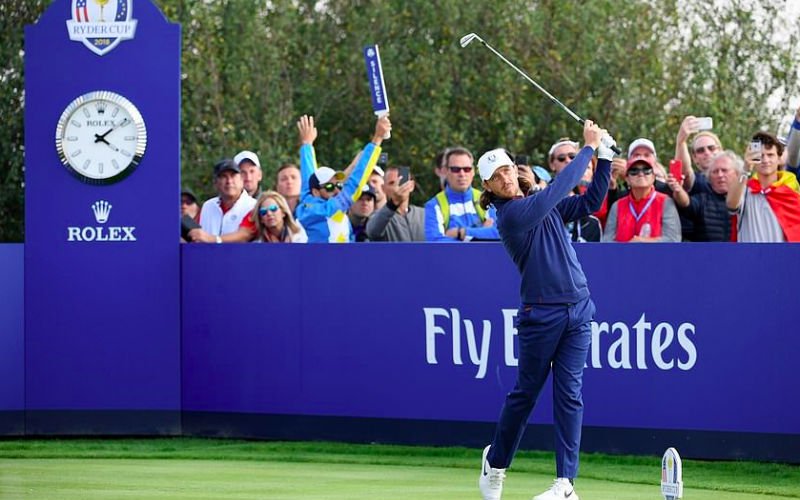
12	347
687	337
694	346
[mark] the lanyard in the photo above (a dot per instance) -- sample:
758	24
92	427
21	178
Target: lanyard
638	216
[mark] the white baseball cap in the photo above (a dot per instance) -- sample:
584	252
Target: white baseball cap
247	155
565	142
642	142
323	175
491	161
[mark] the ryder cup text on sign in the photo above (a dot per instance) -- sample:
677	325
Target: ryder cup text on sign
80	30
615	345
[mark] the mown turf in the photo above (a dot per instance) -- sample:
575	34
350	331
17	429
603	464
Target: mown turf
227	469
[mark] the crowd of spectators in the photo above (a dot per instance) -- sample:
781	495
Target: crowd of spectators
747	192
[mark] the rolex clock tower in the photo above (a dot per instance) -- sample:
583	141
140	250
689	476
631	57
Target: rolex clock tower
102	194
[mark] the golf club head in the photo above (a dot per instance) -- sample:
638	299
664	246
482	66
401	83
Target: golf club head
468	38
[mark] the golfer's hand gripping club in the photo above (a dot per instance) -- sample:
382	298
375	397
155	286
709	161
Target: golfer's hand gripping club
608	146
470	37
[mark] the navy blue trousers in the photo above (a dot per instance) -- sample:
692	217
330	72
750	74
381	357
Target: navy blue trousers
557	337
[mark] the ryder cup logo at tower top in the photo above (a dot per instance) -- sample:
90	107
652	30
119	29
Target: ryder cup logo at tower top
101	24
100	232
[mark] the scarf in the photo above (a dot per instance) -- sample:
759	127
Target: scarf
783	197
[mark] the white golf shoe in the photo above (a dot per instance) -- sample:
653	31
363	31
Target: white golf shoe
562	489
491	480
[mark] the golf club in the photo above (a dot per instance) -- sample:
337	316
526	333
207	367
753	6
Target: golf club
470	37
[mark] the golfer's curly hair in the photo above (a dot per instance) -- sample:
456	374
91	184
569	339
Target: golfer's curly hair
487	197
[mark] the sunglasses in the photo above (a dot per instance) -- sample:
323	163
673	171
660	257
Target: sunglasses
640	171
456	170
332	186
711	148
563	158
262	211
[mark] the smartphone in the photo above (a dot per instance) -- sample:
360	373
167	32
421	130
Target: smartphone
383	160
521	160
676	169
705	123
755	148
404	173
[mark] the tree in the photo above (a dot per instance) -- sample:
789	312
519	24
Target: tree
250	68
14	15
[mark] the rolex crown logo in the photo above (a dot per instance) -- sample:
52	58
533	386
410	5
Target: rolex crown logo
101	209
101	108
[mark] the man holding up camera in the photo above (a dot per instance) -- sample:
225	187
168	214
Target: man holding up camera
768	204
398	219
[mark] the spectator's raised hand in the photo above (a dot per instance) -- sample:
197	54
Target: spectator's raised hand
751	160
673	184
617	171
688	127
306	129
402	193
382	127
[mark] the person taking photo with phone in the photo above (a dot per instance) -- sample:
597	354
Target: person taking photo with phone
398	219
554	319
767	204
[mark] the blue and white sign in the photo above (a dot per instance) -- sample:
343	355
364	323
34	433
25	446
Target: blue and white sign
101	24
671	475
377	87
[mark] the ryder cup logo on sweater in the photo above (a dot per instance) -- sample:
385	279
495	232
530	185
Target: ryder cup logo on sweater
101	24
101	209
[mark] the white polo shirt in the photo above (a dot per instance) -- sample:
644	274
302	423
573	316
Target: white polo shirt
213	221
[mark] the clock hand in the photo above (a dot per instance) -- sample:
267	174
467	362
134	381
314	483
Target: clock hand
102	137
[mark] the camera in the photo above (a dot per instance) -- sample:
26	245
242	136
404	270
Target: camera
521	160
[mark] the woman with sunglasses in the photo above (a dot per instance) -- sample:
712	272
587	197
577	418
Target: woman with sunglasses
644	215
274	221
554	319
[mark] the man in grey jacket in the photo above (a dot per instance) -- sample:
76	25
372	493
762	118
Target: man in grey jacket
398	220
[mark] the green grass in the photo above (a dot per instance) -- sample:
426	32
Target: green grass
182	468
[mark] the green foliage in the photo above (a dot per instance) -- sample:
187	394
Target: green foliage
14	15
250	68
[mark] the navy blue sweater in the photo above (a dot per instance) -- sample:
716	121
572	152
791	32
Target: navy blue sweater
533	233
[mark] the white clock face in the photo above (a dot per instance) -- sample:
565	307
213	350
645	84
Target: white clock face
101	137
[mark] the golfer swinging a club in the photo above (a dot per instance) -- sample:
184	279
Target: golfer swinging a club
554	318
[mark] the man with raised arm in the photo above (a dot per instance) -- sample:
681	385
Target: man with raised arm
325	195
